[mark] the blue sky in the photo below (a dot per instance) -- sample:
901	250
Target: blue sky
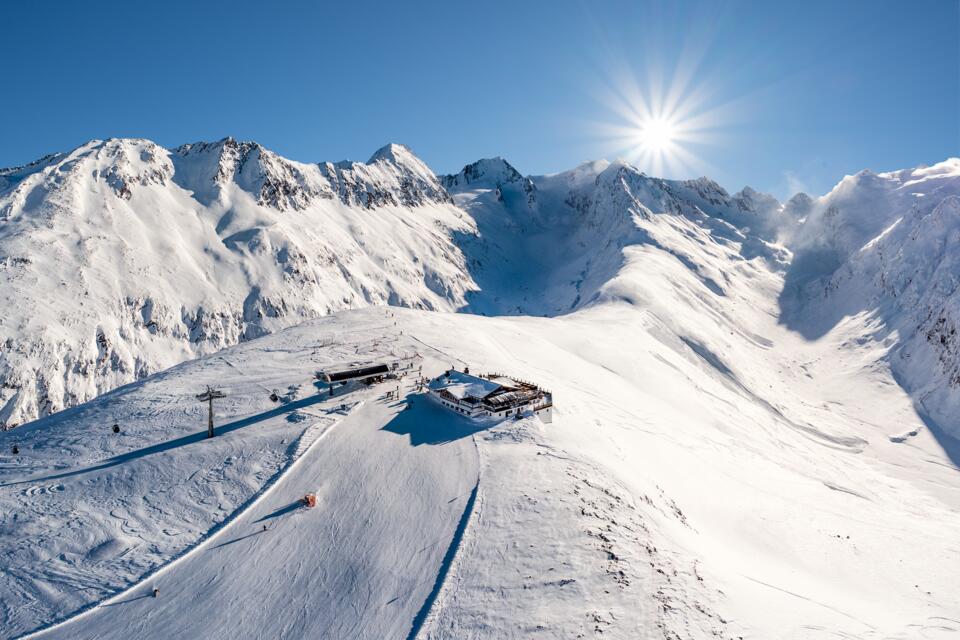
784	97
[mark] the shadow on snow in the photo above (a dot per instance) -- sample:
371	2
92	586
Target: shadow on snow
293	506
428	423
177	442
240	539
445	565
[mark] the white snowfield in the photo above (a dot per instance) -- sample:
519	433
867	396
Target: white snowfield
752	437
679	491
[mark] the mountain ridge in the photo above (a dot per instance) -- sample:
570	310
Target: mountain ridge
123	257
707	434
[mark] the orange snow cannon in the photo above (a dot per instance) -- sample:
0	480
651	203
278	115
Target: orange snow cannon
309	500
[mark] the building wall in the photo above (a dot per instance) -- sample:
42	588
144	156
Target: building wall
477	411
461	408
545	415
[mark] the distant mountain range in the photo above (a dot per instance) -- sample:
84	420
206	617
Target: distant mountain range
122	258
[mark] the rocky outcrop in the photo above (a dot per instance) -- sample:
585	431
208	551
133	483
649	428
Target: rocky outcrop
122	258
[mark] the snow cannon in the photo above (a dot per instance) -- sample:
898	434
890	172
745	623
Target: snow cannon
309	500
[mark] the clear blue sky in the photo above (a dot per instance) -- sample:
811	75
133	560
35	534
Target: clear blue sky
797	95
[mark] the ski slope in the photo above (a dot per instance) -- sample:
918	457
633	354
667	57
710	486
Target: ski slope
386	514
671	495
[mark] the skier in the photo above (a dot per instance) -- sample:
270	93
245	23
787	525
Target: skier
156	592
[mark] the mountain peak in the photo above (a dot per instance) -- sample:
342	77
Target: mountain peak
707	186
401	156
496	174
395	152
489	172
798	206
750	199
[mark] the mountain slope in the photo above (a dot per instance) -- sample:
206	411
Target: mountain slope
547	245
709	473
884	246
122	258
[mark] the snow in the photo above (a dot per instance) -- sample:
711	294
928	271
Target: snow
644	508
332	552
462	385
121	258
750	438
882	244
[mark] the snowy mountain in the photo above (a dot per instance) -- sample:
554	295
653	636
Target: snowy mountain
751	437
885	245
549	244
122	258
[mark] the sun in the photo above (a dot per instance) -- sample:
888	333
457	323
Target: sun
664	121
657	140
657	135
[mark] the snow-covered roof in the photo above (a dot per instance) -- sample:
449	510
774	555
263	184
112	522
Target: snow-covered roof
503	381
463	385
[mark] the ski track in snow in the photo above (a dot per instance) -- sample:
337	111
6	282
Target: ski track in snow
447	563
308	439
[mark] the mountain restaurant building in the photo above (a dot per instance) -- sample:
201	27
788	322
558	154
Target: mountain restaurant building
490	396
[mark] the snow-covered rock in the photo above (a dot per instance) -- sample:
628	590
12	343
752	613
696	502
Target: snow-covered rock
208	169
910	276
887	244
861	206
392	176
122	258
798	207
496	174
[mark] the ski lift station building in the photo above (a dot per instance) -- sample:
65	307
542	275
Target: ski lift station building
368	372
490	396
360	371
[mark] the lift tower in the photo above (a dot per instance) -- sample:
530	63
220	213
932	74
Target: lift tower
208	396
